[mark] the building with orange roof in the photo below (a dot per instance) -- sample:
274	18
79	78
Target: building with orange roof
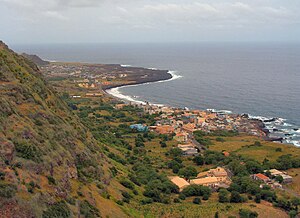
165	129
181	137
190	127
226	153
261	177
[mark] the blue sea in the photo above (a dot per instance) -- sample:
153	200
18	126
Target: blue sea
260	79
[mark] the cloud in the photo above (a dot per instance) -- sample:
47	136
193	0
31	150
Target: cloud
157	18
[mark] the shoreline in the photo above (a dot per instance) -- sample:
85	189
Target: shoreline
114	89
261	122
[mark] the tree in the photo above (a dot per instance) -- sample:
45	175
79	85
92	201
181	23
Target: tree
175	152
223	196
197	201
59	209
235	197
196	190
217	214
293	213
198	160
257	198
279	178
295	202
163	144
188	172
253	167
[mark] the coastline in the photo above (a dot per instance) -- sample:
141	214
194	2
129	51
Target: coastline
266	125
114	89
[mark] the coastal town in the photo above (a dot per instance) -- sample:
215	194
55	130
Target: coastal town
182	123
175	156
179	123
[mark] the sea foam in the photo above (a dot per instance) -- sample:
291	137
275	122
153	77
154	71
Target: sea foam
117	91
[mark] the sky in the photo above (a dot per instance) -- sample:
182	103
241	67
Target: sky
100	21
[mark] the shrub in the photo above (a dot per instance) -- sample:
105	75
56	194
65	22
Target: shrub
2	175
88	210
205	197
119	202
197	201
176	200
223	196
59	209
245	213
188	172
126	195
257	198
146	201
7	190
182	196
220	139
127	184
51	180
196	190
235	197
27	151
198	160
257	143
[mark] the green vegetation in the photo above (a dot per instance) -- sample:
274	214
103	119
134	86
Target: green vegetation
97	162
7	190
88	210
59	209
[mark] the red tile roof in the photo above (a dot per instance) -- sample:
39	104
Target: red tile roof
262	176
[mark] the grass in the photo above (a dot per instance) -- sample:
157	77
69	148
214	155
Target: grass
208	209
295	186
240	144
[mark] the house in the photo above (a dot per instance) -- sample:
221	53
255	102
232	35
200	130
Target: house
206	181
220	173
286	178
180	182
165	129
261	177
226	153
120	106
190	127
188	149
139	127
181	137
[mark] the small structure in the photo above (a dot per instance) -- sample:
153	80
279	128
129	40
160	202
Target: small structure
220	173
120	106
180	182
181	137
139	127
165	129
226	153
261	177
206	181
286	178
96	94
188	149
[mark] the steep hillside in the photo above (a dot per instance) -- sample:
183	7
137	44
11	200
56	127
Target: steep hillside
35	59
47	157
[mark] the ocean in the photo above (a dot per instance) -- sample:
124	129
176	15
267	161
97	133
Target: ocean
260	79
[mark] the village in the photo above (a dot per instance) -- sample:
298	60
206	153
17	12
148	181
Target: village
182	123
179	123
